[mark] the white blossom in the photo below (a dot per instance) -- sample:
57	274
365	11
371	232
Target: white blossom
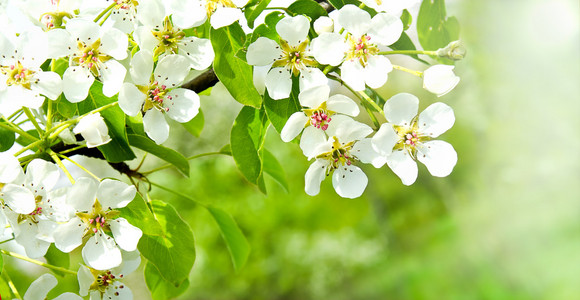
440	79
38	289
94	130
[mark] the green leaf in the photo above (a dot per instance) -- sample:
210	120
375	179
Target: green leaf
273	18
117	150
169	155
246	140
233	236
434	28
173	253
57	258
160	288
66	109
274	169
227	149
195	125
235	74
7	138
139	215
254	9
340	3
24	141
307	7
407	19
279	111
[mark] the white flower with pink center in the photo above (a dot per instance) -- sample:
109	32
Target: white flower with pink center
408	137
321	111
157	94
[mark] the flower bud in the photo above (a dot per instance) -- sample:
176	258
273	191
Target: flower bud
454	51
67	137
323	24
440	79
94	130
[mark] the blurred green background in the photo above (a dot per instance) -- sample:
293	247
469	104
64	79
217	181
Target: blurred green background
504	225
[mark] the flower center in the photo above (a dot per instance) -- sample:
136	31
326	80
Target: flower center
126	4
169	38
31	216
104	280
294	58
52	20
17	75
156	95
90	57
98	218
212	5
361	49
409	138
319	117
339	155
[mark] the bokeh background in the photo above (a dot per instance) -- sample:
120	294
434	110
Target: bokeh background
504	225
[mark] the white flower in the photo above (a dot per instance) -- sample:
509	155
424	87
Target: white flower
49	14
440	79
408	137
290	58
94	130
97	219
194	13
323	24
39	288
361	63
107	284
22	81
93	53
157	93
392	6
346	145
320	113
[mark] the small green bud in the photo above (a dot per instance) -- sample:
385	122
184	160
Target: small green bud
454	51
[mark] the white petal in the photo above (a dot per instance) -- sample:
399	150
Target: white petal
354	20
10	168
46	230
314	176
131	261
114	43
48	84
198	51
34	247
311	77
293	126
349	181
144	38
377	71
42	174
440	79
69	236
114	292
60	43
131	99
294	30
259	78
40	287
349	130
353	74
329	48
311	140
385	139
126	235
438	156
342	104
323	25
314	96
101	253
184	105
68	296
436	119
240	3
386	28
171	70
150	13
82	194
141	67
93	129
224	16
263	51
76	83
18	198
279	83
85	278
113	75
115	193
401	109
156	126
187	14
27	98
403	166
85	30
364	151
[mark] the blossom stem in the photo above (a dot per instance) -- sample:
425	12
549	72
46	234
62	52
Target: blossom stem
105	18
189	158
15	115
33	120
10	126
34	261
61	165
30	146
416	73
105	11
178	194
11	284
49	103
62	126
431	53
80	167
72	149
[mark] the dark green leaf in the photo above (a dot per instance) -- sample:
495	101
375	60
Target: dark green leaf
169	155
57	258
7	138
246	140
227	149
160	288
434	28
173	253
310	8
235	74
273	168
340	3
254	9
195	125
280	110
233	236
273	18
117	150
139	215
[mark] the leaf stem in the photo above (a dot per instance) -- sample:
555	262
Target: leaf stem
10	126
61	165
34	261
80	167
30	146
105	11
178	194
416	73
